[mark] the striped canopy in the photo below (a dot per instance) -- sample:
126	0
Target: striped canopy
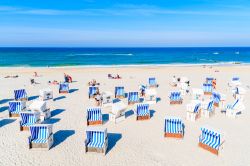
40	133
119	91
216	97
133	97
96	139
64	87
210	138
173	125
94	114
207	87
28	118
20	94
152	81
175	96
92	90
142	109
235	79
15	107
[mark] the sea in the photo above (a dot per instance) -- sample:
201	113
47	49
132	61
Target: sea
85	57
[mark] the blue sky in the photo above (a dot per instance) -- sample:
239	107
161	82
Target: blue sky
106	23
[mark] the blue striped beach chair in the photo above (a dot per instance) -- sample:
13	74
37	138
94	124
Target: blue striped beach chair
15	107
193	111
92	91
232	110
119	92
133	97
173	127
207	89
210	140
63	88
216	98
96	140
41	136
94	116
152	82
20	95
175	98
28	118
208	111
209	80
142	112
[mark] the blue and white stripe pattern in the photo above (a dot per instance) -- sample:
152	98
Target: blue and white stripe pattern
119	91
216	97
197	108
95	139
94	114
173	125
152	81
209	80
92	91
28	119
210	138
39	134
63	87
175	96
142	110
233	105
133	97
15	107
210	106
20	94
208	88
235	79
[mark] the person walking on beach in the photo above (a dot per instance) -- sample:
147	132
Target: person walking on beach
214	83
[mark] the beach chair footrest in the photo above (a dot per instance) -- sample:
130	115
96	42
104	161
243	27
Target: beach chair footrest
176	102
143	117
98	122
207	93
24	128
173	135
208	148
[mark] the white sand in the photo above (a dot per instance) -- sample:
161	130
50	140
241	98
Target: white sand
132	142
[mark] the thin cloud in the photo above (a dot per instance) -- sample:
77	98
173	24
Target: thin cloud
121	10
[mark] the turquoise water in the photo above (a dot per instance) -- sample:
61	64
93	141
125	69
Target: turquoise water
41	57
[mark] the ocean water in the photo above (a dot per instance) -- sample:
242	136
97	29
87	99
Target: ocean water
56	57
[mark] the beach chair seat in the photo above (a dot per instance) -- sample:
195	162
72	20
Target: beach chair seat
216	97
152	82
28	118
173	127
15	107
193	111
133	97
175	97
117	113
142	112
235	109
20	95
63	88
210	140
207	89
92	91
209	80
41	136
46	94
97	140
94	116
40	106
119	92
208	109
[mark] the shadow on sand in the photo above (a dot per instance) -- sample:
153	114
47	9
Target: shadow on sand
61	135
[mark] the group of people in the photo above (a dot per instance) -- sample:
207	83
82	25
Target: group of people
114	77
93	83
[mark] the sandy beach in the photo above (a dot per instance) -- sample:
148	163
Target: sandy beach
131	142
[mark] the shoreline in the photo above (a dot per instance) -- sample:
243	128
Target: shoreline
128	66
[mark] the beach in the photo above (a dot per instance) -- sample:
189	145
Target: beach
131	142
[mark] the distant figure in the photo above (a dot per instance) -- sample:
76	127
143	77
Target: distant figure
214	83
98	98
35	74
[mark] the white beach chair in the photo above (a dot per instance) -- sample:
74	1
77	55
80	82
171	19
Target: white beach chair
150	96
41	106
235	109
117	113
46	94
208	109
193	110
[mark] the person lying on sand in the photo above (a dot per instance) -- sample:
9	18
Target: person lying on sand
16	76
32	81
114	77
53	82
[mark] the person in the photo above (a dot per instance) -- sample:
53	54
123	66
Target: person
35	74
214	83
98	98
174	81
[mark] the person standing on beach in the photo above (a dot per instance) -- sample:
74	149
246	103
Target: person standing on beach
214	83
